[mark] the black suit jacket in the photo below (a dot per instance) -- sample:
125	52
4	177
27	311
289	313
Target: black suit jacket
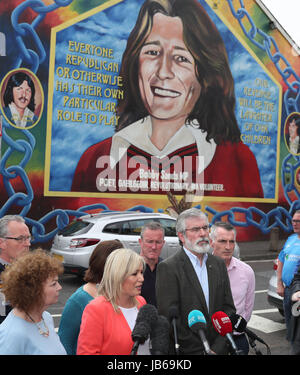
177	284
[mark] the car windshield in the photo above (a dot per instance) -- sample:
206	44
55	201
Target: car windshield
75	228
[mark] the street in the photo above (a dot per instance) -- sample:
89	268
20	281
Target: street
266	322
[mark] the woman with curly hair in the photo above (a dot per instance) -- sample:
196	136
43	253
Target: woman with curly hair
31	285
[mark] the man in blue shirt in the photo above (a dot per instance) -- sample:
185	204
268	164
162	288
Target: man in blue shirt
288	260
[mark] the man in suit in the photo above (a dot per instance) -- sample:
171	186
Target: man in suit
193	279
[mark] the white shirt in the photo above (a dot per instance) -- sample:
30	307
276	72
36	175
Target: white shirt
20	122
201	272
294	143
139	134
130	316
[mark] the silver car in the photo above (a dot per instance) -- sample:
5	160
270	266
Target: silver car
274	298
75	243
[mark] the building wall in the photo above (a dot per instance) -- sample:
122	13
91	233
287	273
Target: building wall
73	54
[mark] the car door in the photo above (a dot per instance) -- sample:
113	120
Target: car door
130	231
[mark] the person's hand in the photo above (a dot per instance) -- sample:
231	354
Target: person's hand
296	296
280	290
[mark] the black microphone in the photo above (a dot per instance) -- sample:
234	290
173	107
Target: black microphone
173	316
197	324
160	336
239	324
145	319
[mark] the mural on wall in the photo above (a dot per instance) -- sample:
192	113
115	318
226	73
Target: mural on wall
160	105
130	109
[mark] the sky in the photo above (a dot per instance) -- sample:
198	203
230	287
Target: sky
287	12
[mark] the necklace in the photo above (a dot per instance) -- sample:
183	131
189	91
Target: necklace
44	332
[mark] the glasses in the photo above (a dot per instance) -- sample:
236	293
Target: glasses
295	221
20	239
197	229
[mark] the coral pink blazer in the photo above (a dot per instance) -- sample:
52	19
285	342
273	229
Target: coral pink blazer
103	331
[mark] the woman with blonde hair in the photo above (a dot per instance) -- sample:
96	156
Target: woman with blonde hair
70	321
31	285
108	320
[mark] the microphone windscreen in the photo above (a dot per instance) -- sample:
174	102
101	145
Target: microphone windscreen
146	317
196	320
173	312
221	323
147	313
238	322
159	336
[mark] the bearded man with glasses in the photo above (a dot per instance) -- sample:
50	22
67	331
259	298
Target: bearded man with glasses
14	241
193	279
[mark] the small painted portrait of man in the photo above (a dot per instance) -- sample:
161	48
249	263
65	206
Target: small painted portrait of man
292	133
21	99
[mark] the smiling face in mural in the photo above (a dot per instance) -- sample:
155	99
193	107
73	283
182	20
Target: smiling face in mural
167	80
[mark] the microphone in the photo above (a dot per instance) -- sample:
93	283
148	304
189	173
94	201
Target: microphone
173	315
223	326
145	319
239	325
159	336
197	324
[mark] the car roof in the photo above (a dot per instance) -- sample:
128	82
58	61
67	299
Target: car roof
123	215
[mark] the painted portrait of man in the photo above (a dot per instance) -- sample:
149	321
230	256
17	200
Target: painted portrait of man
19	100
178	105
292	136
